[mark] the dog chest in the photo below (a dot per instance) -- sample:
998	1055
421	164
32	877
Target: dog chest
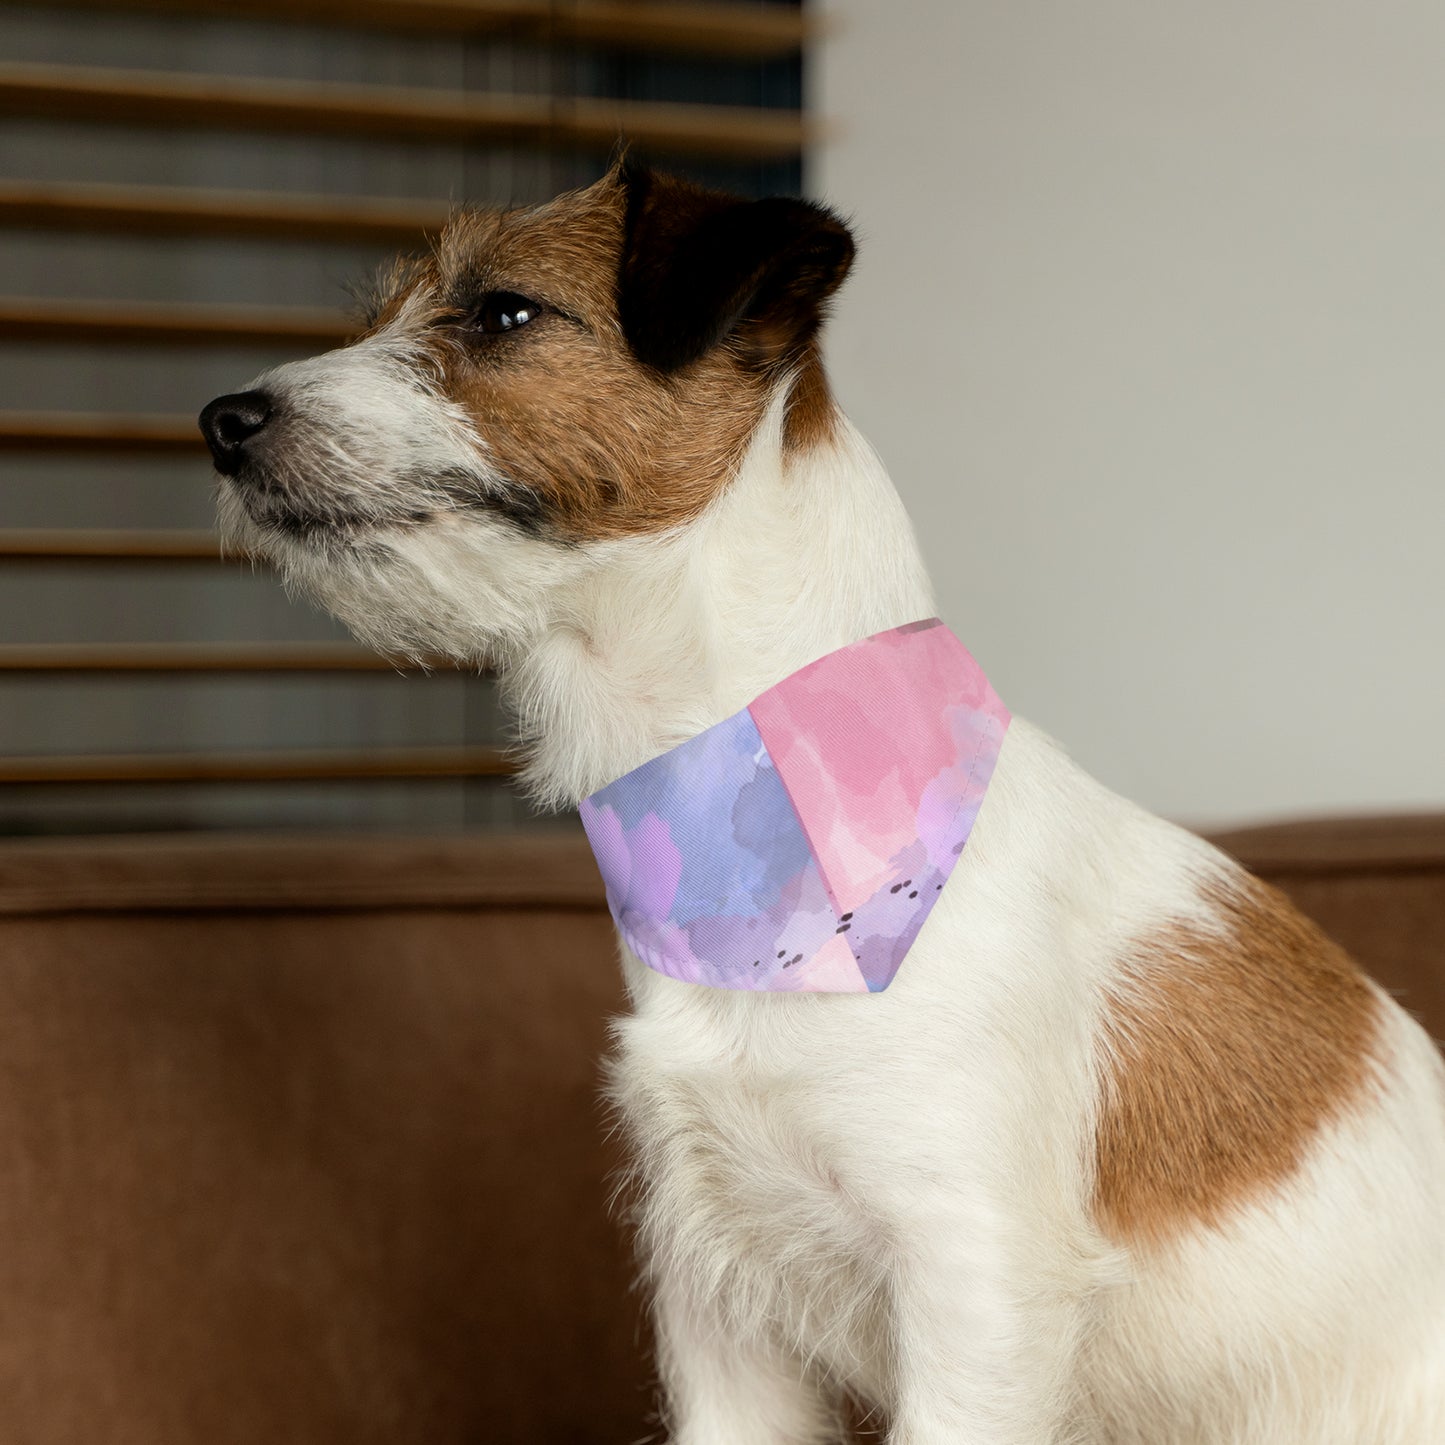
743	1192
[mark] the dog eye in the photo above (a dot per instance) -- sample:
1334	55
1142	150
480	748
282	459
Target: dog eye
504	311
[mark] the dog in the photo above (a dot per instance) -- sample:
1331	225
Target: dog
1129	1153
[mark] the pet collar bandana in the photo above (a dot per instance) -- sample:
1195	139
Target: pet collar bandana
798	845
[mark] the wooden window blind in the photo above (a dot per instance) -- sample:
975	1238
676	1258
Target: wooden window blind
185	188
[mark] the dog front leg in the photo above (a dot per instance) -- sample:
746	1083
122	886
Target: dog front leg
721	1389
983	1355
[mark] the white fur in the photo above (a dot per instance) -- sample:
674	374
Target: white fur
891	1194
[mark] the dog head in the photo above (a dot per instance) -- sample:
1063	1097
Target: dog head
547	384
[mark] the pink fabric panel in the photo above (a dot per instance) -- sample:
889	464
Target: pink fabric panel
869	770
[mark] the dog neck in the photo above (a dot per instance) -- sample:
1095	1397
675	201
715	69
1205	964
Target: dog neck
805	552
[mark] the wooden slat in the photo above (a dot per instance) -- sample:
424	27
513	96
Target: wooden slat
75	544
194	657
171	323
80	431
177	211
259	767
712	29
743	31
219	102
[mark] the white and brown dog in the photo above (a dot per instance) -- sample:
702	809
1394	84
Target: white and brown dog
1129	1153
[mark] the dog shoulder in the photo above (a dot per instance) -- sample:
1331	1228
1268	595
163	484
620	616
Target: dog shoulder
1228	1032
1231	1039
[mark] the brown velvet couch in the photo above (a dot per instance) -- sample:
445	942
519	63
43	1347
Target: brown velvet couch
300	1139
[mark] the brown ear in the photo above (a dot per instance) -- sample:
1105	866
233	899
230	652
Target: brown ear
699	266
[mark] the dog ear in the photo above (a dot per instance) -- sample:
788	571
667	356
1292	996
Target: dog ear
699	266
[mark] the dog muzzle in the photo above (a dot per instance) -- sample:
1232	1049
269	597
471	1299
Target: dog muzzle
799	845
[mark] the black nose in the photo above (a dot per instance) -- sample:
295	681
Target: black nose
229	422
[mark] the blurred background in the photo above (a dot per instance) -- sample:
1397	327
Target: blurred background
1146	323
187	191
1149	324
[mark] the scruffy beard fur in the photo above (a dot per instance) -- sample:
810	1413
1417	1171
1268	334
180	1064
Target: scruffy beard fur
1128	1154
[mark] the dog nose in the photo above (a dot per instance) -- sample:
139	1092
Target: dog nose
229	422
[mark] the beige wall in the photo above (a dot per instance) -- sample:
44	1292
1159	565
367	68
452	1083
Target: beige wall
1149	323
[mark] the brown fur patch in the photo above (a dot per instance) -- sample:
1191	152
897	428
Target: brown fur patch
1226	1053
609	447
604	445
812	413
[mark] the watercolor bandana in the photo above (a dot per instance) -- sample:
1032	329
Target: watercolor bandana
798	845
